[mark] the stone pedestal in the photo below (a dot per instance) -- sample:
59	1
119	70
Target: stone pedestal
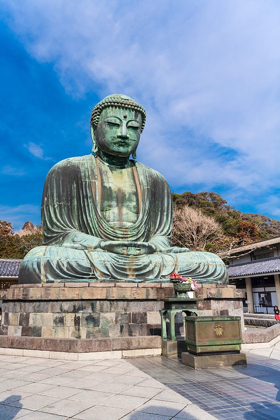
213	360
84	317
173	349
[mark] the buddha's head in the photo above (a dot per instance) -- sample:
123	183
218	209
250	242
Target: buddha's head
116	125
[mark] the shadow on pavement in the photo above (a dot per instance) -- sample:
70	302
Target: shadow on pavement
264	409
9	412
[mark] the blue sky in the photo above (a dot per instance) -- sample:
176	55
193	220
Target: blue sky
206	71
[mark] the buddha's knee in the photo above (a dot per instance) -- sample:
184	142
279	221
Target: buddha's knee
30	269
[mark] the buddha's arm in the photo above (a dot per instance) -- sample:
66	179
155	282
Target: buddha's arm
160	242
80	240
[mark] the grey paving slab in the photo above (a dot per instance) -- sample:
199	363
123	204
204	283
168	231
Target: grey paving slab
61	392
56	380
87	384
74	374
95	397
151	383
34	377
13	383
131	380
93	368
67	408
115	387
34	402
36	415
10	374
53	370
100	412
124	401
141	391
169	395
33	388
31	368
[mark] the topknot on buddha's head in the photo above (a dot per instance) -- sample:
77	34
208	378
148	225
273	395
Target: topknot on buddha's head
117	101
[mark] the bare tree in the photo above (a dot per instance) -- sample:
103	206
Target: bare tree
192	229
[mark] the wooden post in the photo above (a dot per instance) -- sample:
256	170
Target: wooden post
249	294
277	287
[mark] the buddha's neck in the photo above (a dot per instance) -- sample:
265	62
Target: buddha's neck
116	161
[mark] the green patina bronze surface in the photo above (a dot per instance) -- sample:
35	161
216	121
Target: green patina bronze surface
107	217
213	334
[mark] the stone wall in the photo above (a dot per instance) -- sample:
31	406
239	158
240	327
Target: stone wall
220	301
84	311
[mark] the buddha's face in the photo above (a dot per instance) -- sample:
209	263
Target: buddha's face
118	131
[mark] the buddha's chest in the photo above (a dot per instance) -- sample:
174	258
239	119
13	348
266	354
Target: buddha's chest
118	196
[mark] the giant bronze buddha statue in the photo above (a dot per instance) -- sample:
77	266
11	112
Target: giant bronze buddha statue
107	217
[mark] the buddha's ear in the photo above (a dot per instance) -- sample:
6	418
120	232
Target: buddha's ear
134	155
94	145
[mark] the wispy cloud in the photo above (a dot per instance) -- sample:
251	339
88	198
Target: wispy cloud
18	215
9	170
208	74
35	150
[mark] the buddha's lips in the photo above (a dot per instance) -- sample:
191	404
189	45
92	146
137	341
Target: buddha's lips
121	143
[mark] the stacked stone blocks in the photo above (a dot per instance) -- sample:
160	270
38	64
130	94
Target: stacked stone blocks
84	311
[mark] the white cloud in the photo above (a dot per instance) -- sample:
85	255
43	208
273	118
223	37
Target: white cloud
204	70
10	170
36	150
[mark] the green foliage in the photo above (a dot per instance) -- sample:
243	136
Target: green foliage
15	245
209	247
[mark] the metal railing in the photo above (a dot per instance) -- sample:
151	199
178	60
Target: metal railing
261	309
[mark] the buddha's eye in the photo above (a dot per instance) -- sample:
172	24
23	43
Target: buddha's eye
133	125
112	124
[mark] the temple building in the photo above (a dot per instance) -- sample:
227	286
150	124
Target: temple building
9	269
256	268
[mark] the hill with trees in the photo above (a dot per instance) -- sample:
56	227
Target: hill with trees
17	244
232	227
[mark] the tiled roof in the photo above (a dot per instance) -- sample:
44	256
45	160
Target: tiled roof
265	266
253	246
9	268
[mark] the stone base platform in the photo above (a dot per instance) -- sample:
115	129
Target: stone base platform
173	349
120	319
75	349
84	318
213	360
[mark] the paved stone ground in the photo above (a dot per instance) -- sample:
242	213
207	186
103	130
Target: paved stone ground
44	389
241	392
273	352
154	388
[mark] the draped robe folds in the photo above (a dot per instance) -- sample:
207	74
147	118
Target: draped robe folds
74	226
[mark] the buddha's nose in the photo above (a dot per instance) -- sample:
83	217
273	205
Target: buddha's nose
123	132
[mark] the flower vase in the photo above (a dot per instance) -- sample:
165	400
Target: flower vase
182	289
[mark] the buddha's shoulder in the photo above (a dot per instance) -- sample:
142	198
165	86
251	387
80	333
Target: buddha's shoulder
150	172
72	163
